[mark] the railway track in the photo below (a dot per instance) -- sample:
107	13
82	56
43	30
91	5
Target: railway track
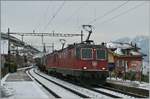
46	88
123	92
131	95
104	90
128	94
89	88
133	91
53	93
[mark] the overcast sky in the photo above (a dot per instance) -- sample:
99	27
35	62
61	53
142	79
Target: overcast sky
130	20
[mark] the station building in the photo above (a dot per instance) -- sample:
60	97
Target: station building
124	58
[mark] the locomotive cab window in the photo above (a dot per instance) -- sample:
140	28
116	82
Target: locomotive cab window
86	53
77	52
100	54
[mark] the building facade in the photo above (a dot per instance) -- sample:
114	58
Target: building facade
124	58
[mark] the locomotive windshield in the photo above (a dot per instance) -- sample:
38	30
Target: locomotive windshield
86	53
100	54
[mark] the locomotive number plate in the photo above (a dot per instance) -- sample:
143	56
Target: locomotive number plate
94	63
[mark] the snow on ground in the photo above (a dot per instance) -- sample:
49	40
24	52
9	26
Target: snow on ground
26	90
5	91
115	93
4	79
21	90
24	68
65	94
85	91
142	85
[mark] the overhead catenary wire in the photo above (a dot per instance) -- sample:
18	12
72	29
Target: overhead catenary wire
125	12
74	12
40	19
54	16
109	12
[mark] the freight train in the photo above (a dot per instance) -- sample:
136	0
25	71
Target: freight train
84	62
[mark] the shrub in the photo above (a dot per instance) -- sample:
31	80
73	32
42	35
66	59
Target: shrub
145	78
12	67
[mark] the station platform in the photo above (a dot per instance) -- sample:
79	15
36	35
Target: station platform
20	86
136	84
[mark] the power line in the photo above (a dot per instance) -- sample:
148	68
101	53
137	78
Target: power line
53	17
109	12
39	21
114	17
74	12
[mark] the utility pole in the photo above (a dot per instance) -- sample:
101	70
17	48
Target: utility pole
8	41
44	54
42	39
22	37
81	36
8	49
124	72
52	47
43	49
8	45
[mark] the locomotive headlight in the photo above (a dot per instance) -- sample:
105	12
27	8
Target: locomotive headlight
103	68
84	67
94	49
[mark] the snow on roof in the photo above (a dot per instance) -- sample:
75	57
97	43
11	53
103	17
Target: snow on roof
135	53
118	51
118	45
39	55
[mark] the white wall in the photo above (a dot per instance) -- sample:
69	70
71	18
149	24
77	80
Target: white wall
4	46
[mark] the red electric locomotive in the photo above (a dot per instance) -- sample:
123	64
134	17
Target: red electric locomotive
84	61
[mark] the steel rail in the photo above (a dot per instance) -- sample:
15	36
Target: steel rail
104	93
49	90
73	91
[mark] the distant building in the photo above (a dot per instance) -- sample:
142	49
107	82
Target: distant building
3	51
20	52
125	57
